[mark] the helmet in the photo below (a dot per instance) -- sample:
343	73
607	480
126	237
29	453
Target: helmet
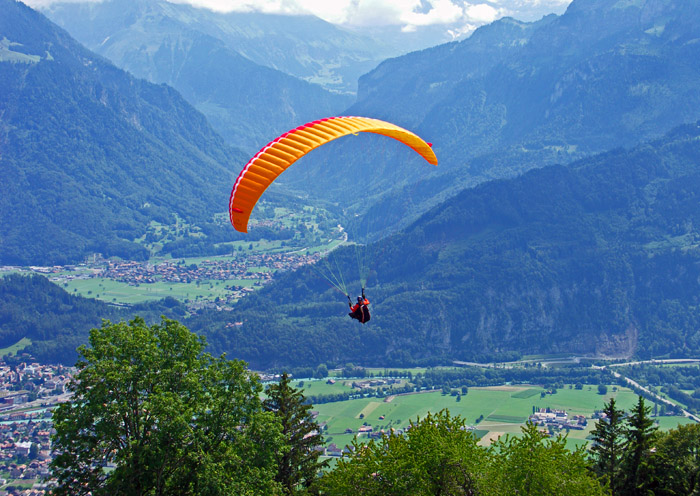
359	298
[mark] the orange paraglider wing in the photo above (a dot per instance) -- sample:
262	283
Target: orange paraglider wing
276	156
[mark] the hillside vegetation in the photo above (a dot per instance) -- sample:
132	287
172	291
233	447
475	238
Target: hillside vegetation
600	257
56	322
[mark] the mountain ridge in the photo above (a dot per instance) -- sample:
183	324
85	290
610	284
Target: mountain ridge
95	155
204	56
518	95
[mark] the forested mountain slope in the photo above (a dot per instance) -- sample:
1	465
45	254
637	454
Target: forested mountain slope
56	322
601	257
516	95
89	154
198	52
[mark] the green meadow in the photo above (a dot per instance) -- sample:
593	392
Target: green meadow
501	410
119	292
320	387
13	349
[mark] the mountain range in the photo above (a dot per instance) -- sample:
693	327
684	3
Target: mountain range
518	95
595	251
303	46
250	74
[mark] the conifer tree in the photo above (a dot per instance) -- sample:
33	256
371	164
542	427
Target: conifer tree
637	463
298	464
607	449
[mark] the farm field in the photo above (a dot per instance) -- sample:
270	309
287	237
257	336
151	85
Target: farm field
119	292
313	387
503	409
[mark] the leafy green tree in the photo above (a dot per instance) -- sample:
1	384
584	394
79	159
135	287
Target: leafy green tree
531	464
168	417
608	439
678	462
638	460
437	455
322	371
298	464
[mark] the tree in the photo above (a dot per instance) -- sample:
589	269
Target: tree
436	455
638	459
322	371
168	417
602	389
607	449
678	466
298	464
34	451
532	465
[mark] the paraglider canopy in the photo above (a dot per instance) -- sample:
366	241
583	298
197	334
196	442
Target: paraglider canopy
276	156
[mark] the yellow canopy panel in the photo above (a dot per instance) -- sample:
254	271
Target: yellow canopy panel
279	154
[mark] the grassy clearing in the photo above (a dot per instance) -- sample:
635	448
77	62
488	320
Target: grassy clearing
7	272
666	423
682	364
383	371
15	348
367	410
318	387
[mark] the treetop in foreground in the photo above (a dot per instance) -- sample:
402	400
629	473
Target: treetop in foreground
152	413
439	455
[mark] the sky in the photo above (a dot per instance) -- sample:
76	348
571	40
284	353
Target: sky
459	17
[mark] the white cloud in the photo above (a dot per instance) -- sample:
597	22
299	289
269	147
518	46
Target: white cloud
440	12
265	6
459	17
38	4
409	14
483	13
